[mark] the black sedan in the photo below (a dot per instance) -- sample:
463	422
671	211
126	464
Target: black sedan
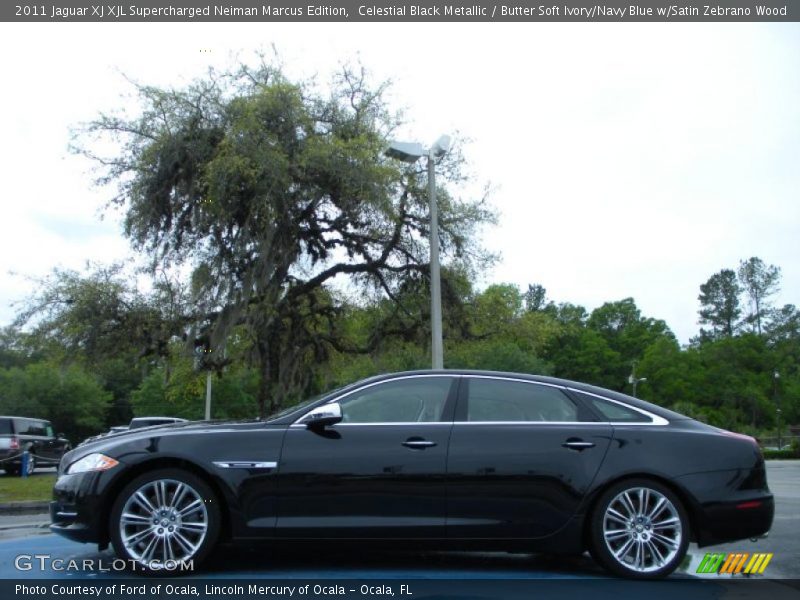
463	459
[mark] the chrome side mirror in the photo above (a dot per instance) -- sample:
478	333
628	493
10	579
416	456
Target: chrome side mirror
322	416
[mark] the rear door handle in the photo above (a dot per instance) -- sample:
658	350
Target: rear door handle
578	444
418	443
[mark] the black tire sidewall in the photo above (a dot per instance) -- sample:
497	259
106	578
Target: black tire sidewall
603	555
212	508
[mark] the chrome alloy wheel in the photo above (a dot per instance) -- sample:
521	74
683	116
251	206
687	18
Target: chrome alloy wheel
642	529
163	520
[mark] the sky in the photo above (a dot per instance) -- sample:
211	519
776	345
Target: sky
626	159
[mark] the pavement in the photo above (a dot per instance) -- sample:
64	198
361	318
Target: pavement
29	534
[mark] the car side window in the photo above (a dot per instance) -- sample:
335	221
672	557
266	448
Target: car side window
24	427
616	413
504	400
411	400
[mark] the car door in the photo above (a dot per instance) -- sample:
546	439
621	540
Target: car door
30	438
379	473
52	447
522	457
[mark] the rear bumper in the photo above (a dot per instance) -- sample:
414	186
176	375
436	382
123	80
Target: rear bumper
738	520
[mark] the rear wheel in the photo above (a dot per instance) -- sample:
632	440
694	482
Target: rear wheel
639	529
164	518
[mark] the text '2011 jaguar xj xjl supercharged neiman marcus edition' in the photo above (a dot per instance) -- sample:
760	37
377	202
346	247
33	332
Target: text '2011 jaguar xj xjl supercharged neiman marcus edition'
463	459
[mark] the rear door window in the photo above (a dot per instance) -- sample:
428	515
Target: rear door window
502	400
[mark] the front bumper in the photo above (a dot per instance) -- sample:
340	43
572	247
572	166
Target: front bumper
76	511
64	521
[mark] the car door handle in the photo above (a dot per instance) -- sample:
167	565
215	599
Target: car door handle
578	445
418	444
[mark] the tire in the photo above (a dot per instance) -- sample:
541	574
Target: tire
639	529
156	529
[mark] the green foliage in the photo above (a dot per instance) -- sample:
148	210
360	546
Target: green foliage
496	355
719	300
73	400
183	394
781	454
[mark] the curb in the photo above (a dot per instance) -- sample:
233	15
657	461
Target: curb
24	508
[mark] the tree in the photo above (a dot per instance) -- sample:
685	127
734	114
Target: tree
760	281
271	190
72	399
719	300
535	297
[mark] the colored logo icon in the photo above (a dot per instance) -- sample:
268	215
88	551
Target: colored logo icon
734	562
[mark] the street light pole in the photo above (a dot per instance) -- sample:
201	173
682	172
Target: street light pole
437	348
410	153
775	377
633	380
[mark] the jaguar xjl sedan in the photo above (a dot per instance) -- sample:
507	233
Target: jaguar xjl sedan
460	459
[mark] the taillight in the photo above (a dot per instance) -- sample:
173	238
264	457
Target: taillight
14	444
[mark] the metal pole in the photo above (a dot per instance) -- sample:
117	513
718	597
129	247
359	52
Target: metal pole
208	396
437	351
776	376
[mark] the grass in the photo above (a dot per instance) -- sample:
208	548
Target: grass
21	489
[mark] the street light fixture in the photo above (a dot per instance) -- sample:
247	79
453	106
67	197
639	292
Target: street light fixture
411	152
633	380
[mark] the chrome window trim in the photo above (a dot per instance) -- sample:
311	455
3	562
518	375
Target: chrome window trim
374	383
381	423
656	420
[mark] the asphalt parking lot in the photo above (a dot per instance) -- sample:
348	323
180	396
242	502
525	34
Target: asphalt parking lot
28	534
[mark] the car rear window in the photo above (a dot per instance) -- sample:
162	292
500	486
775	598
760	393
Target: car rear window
616	413
6	426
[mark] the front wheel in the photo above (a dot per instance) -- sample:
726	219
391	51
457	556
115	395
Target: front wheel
639	529
165	519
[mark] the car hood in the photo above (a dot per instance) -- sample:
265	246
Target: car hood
123	437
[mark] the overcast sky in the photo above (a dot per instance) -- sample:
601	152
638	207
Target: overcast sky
627	159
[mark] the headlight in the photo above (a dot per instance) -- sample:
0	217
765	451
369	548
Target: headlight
92	462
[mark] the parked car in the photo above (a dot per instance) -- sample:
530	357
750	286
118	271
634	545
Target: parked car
138	422
463	459
135	423
18	434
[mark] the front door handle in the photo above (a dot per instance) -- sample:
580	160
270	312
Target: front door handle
578	445
418	443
